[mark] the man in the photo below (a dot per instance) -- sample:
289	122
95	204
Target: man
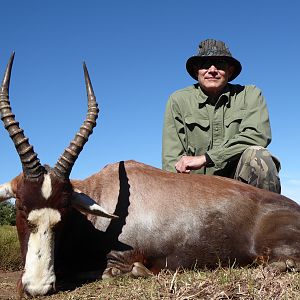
214	127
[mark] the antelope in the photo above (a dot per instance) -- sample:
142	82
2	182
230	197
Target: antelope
133	219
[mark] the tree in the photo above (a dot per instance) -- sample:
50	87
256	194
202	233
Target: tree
7	213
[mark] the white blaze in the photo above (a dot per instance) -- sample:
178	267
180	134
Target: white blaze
47	187
39	276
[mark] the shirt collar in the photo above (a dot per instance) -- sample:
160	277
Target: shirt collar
203	97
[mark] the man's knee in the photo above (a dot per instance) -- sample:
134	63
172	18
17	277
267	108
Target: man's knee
259	168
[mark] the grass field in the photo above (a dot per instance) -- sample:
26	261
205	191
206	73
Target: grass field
10	257
222	283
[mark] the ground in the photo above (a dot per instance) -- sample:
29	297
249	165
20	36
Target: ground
222	283
8	283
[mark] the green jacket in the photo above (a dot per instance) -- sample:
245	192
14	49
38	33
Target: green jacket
195	126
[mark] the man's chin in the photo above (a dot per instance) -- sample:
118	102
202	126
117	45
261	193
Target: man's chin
213	88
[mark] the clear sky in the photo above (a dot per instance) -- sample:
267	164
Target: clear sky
136	52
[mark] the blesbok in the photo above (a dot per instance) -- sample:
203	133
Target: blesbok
157	219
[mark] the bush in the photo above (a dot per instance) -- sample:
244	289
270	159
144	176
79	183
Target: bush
7	214
10	254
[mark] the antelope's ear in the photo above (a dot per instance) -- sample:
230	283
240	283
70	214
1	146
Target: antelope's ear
6	191
85	204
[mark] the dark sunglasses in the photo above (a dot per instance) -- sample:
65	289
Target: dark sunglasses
220	64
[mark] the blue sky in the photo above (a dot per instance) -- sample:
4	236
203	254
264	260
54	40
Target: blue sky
136	52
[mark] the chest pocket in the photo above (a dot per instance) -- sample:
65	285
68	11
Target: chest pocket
232	123
197	133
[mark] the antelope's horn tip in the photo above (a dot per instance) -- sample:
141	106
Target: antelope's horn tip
87	80
84	66
85	70
6	78
12	56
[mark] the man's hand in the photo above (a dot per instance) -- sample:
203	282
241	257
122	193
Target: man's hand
187	163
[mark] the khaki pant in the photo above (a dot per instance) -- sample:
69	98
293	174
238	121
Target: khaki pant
259	168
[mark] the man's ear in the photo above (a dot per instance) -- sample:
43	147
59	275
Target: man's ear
196	71
230	71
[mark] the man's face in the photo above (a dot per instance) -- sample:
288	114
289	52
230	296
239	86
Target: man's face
213	75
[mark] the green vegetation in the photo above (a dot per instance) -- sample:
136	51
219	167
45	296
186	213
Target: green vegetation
10	257
7	213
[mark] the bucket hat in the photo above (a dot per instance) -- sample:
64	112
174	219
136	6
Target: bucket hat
211	48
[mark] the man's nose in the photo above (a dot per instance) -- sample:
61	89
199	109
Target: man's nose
212	68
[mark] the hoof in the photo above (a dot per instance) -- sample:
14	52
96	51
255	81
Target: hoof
291	265
283	266
111	272
139	270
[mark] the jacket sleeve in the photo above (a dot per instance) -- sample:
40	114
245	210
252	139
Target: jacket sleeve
254	130
173	141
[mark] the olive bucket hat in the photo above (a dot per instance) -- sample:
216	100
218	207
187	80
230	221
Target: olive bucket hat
212	49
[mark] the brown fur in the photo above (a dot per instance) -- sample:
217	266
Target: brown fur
166	220
196	219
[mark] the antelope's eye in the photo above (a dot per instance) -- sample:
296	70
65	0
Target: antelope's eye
32	227
54	227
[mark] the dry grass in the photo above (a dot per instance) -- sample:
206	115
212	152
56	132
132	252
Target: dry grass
231	283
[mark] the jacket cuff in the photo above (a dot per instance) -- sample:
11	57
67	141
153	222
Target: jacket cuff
209	162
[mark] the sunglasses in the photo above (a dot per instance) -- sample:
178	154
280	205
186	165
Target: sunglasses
220	64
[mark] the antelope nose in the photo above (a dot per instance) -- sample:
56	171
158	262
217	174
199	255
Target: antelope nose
39	291
52	288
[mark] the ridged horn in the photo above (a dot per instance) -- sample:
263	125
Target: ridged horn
30	162
65	163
